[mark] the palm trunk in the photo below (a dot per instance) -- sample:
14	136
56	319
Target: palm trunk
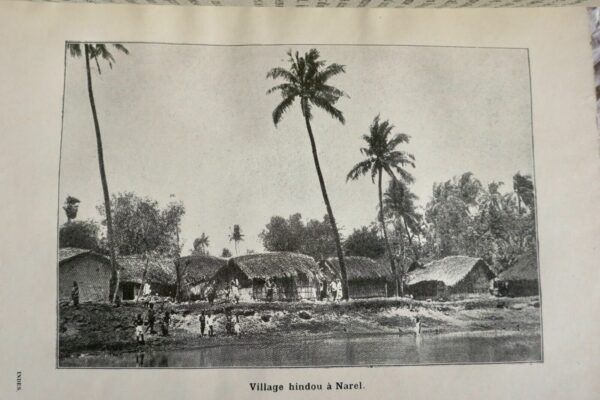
385	236
114	278
415	253
336	235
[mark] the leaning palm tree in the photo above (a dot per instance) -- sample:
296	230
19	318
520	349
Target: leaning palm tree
99	52
382	156
306	79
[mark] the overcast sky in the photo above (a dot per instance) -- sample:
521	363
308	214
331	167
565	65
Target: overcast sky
195	122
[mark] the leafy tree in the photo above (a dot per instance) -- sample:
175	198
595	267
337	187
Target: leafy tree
80	234
382	156
226	253
365	242
99	52
71	207
236	236
319	239
306	80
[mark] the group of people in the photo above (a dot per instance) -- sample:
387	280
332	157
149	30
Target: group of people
149	322
335	290
207	322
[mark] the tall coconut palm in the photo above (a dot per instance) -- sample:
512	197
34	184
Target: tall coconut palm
399	203
523	187
236	236
98	52
201	244
382	156
306	80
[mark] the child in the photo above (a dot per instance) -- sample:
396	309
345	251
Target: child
202	323
237	329
139	329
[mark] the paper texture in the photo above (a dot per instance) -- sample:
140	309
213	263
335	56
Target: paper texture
566	175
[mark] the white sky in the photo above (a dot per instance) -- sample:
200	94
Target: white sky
194	121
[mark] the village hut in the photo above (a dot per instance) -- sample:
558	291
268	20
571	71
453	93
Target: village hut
89	269
296	276
522	277
197	271
366	277
142	275
450	276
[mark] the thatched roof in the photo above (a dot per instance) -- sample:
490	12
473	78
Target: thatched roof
68	253
450	270
525	269
200	269
279	265
356	268
161	270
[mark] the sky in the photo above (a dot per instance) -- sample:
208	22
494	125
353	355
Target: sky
193	123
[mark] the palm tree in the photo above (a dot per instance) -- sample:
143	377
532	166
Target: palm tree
382	156
201	244
306	79
523	187
399	203
99	52
71	207
236	236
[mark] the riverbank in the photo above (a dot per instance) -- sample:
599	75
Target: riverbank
102	328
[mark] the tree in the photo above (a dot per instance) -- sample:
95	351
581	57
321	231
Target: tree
523	187
306	79
226	253
98	52
365	242
71	207
236	236
80	234
382	156
201	245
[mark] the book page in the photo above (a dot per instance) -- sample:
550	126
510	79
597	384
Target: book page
220	202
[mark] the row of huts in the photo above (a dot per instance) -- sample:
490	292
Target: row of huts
296	276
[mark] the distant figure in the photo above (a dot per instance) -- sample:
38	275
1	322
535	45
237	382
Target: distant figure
237	329
165	323
75	294
211	293
333	288
209	323
151	318
323	290
202	323
417	326
339	290
269	289
235	291
139	359
139	329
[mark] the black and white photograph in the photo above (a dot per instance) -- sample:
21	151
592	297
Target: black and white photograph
296	205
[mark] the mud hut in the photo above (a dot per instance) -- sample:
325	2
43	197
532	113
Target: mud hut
90	270
296	276
196	272
450	276
366	277
155	273
522	277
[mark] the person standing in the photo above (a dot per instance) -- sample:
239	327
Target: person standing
202	323
165	323
417	326
339	290
139	329
210	323
237	329
235	291
323	290
211	293
269	288
151	318
333	291
75	294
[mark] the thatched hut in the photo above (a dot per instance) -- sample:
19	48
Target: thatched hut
156	273
522	277
90	270
197	271
366	277
449	276
295	275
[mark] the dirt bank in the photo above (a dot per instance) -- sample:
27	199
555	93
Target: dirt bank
104	328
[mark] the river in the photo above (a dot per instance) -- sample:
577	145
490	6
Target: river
339	351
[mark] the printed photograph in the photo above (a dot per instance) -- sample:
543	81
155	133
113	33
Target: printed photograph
284	205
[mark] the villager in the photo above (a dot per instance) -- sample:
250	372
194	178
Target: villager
209	323
417	326
139	329
211	292
202	323
165	323
75	294
339	290
269	288
150	317
323	290
237	329
333	291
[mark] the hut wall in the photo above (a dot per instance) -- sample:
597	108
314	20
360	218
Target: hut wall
367	288
91	274
523	288
476	281
427	289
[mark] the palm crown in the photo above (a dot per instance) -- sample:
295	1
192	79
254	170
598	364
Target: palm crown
306	79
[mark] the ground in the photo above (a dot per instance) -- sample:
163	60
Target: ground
98	328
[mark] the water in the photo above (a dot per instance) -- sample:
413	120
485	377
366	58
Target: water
340	351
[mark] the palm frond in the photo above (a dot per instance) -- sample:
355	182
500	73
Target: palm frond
278	72
282	108
74	49
121	48
328	108
362	168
